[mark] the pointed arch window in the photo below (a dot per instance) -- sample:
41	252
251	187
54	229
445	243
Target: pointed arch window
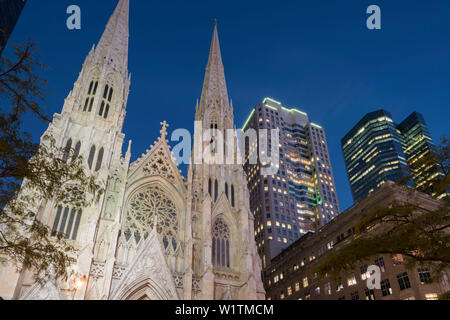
232	196
106	102
210	187
99	159
89	102
77	151
221	244
226	190
216	190
67	150
91	157
67	222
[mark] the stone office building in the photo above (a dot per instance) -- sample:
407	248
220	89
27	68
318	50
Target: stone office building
291	276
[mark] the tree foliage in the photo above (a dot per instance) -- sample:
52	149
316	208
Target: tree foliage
421	236
45	171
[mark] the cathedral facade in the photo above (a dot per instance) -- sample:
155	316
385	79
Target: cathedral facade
153	234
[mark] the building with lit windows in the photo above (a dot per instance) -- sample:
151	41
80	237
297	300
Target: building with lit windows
301	196
292	277
373	154
10	11
377	150
418	145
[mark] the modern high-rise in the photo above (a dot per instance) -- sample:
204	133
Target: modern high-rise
9	14
377	150
301	196
373	154
418	146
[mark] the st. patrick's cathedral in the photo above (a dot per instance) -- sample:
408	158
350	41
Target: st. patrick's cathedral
154	235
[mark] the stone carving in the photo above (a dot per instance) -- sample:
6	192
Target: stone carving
159	165
146	205
98	270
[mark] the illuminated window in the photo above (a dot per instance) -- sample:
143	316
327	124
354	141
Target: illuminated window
351	281
305	282
386	289
431	296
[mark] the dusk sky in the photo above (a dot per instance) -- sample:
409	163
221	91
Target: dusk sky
317	56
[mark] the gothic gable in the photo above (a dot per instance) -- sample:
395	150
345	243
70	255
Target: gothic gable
222	206
158	161
148	271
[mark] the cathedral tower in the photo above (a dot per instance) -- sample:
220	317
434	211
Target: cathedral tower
223	240
90	124
153	234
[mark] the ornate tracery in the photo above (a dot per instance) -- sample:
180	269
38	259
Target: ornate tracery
140	219
221	244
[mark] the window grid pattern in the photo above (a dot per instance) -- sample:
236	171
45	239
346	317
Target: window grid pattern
67	222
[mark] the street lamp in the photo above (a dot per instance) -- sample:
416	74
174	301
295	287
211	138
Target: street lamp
77	284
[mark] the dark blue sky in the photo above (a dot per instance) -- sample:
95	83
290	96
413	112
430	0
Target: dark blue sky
317	56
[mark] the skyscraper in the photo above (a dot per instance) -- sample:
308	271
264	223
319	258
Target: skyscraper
9	14
302	195
418	146
373	154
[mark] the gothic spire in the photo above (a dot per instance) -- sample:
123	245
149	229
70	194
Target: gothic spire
113	44
214	87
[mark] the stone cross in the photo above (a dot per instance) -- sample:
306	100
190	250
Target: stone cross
164	129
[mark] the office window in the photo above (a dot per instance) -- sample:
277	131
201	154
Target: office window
386	289
370	294
425	275
305	282
403	281
355	295
327	288
364	273
351	281
431	296
380	263
289	291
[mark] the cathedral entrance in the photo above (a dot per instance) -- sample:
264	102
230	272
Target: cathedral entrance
147	290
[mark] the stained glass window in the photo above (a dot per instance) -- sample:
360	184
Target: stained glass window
141	216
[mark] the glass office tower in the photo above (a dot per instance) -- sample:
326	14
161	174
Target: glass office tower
373	154
302	196
9	14
419	148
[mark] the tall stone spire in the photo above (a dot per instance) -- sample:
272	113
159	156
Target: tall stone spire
215	86
113	45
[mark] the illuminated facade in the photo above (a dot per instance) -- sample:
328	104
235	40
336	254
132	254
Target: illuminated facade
292	275
418	144
377	150
373	154
152	235
301	197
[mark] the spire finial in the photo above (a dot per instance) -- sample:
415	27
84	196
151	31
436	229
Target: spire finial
215	22
164	129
